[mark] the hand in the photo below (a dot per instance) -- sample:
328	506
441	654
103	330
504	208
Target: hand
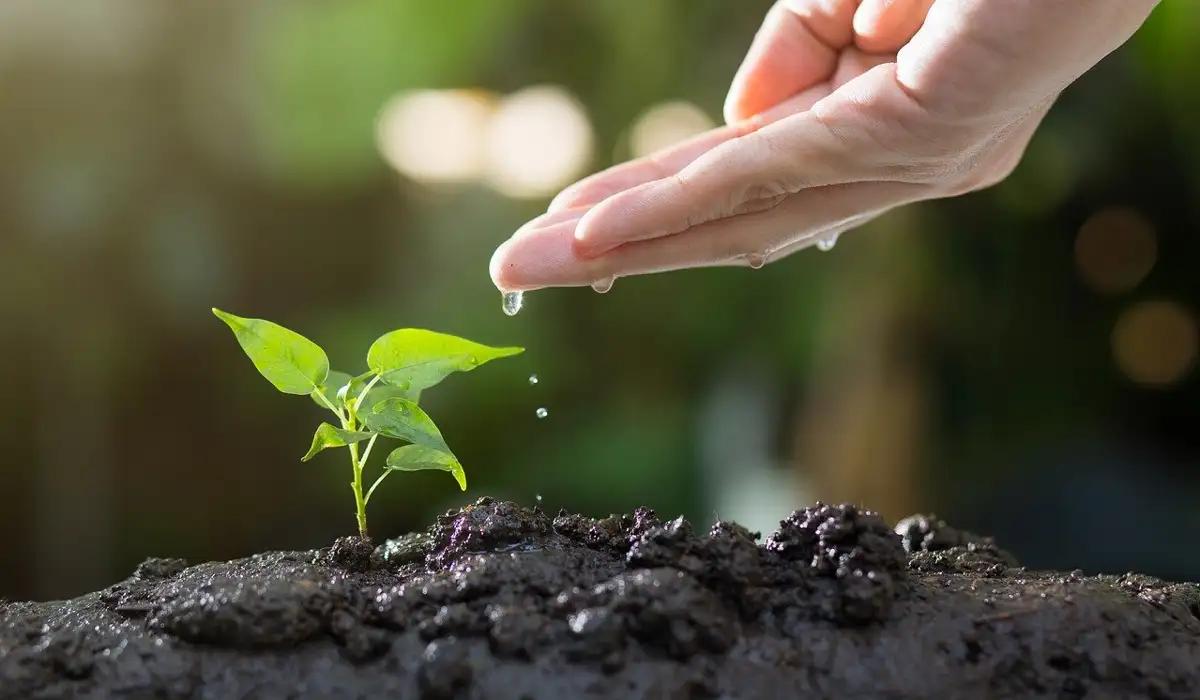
841	110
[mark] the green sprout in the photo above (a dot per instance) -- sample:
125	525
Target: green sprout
380	401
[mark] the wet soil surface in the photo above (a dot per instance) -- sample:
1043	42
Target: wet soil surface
501	601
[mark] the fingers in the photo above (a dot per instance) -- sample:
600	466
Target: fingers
751	173
546	257
597	187
882	26
671	160
552	217
796	48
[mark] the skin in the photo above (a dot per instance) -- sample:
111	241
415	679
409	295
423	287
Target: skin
841	110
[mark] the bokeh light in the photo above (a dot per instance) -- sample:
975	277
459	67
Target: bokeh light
435	135
537	142
666	124
1115	250
1155	342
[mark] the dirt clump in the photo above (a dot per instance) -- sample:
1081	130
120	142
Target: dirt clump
497	600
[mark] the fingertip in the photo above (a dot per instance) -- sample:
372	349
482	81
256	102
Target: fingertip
499	268
581	194
588	238
539	257
884	26
734	110
561	201
866	17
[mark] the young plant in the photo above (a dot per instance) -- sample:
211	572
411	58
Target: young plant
381	401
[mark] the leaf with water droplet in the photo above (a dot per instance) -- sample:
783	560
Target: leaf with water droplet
416	359
292	363
403	419
411	458
330	436
333	384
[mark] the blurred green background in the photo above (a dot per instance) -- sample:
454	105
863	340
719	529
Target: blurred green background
1022	360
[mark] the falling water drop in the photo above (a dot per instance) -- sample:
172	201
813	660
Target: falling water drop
539	498
511	302
533	379
602	285
826	243
541	413
756	260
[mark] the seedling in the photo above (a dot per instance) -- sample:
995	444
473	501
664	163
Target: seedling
381	401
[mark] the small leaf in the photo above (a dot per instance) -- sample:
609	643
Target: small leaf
411	458
415	359
334	382
291	362
382	392
403	419
330	436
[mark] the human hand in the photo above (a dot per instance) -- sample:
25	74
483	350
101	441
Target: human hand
841	110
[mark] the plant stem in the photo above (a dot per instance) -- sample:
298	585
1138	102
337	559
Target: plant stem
377	483
366	390
367	451
349	423
321	395
360	503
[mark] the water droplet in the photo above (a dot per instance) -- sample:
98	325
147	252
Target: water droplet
533	379
756	260
539	498
541	413
826	243
602	286
511	302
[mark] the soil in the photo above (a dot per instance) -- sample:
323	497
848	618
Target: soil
500	601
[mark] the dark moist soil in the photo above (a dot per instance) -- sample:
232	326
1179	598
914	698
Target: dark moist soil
500	601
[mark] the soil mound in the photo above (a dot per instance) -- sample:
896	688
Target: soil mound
500	601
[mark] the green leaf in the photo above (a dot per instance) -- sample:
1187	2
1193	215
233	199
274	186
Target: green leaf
378	393
331	436
403	419
411	458
291	362
356	384
383	392
330	387
415	359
